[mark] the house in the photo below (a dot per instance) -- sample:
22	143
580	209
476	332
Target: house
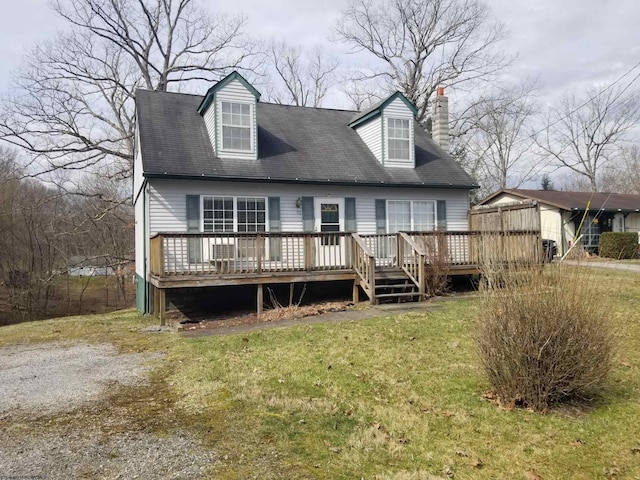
563	214
88	267
230	190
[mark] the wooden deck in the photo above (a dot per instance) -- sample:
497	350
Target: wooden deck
188	260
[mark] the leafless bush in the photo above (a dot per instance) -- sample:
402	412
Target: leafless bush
543	337
438	260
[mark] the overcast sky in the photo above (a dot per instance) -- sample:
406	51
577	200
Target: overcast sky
565	43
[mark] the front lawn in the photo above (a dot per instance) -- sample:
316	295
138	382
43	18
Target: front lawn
397	397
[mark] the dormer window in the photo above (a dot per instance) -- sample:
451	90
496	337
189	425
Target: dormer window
236	126
399	139
387	128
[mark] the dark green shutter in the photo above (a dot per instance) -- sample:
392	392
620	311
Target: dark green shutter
193	226
381	216
308	217
275	225
350	224
442	214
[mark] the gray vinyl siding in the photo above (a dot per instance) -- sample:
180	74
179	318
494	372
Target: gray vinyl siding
167	201
398	109
209	118
138	178
371	135
234	91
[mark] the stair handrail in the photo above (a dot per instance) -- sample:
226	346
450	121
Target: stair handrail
414	270
364	264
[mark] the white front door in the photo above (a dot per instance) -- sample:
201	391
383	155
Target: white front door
330	249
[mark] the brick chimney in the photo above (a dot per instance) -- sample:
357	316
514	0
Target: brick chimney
440	123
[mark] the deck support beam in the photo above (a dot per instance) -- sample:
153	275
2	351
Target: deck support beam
259	298
356	291
162	304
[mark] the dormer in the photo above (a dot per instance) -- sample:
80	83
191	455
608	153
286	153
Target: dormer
387	130
229	112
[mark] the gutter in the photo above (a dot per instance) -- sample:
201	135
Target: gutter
299	181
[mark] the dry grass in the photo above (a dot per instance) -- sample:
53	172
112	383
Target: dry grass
398	397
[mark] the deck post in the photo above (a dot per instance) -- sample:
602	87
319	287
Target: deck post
259	253
372	279
356	292
422	278
259	299
308	252
162	304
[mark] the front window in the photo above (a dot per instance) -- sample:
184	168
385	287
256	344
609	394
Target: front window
218	214
398	139
411	215
236	126
251	214
229	214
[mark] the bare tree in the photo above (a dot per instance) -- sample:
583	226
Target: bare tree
584	133
421	44
499	138
72	107
301	79
623	176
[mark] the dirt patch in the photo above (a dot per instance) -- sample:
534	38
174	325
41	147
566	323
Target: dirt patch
268	316
49	378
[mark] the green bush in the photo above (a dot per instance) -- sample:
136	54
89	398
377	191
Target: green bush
543	338
618	245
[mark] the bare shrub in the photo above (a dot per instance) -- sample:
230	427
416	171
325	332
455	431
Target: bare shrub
438	261
543	336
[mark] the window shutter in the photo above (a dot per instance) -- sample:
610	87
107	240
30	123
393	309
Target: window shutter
442	214
308	217
381	216
350	214
274	214
193	226
275	225
193	213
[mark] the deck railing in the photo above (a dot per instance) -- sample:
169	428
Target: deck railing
269	252
411	259
245	253
364	263
384	247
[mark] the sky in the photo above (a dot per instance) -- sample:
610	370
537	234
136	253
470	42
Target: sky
566	44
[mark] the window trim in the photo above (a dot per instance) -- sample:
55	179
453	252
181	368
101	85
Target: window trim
411	213
235	213
388	138
251	127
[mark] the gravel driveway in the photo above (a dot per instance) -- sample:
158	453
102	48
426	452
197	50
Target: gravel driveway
40	384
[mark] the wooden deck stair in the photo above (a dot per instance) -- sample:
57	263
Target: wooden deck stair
393	285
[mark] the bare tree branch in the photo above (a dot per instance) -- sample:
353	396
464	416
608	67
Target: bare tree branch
586	135
303	79
498	137
72	105
421	44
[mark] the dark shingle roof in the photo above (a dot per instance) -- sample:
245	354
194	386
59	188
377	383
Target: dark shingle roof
376	109
578	200
294	144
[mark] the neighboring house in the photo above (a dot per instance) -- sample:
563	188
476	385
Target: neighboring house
88	267
231	190
563	213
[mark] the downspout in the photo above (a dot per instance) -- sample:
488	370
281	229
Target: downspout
144	247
